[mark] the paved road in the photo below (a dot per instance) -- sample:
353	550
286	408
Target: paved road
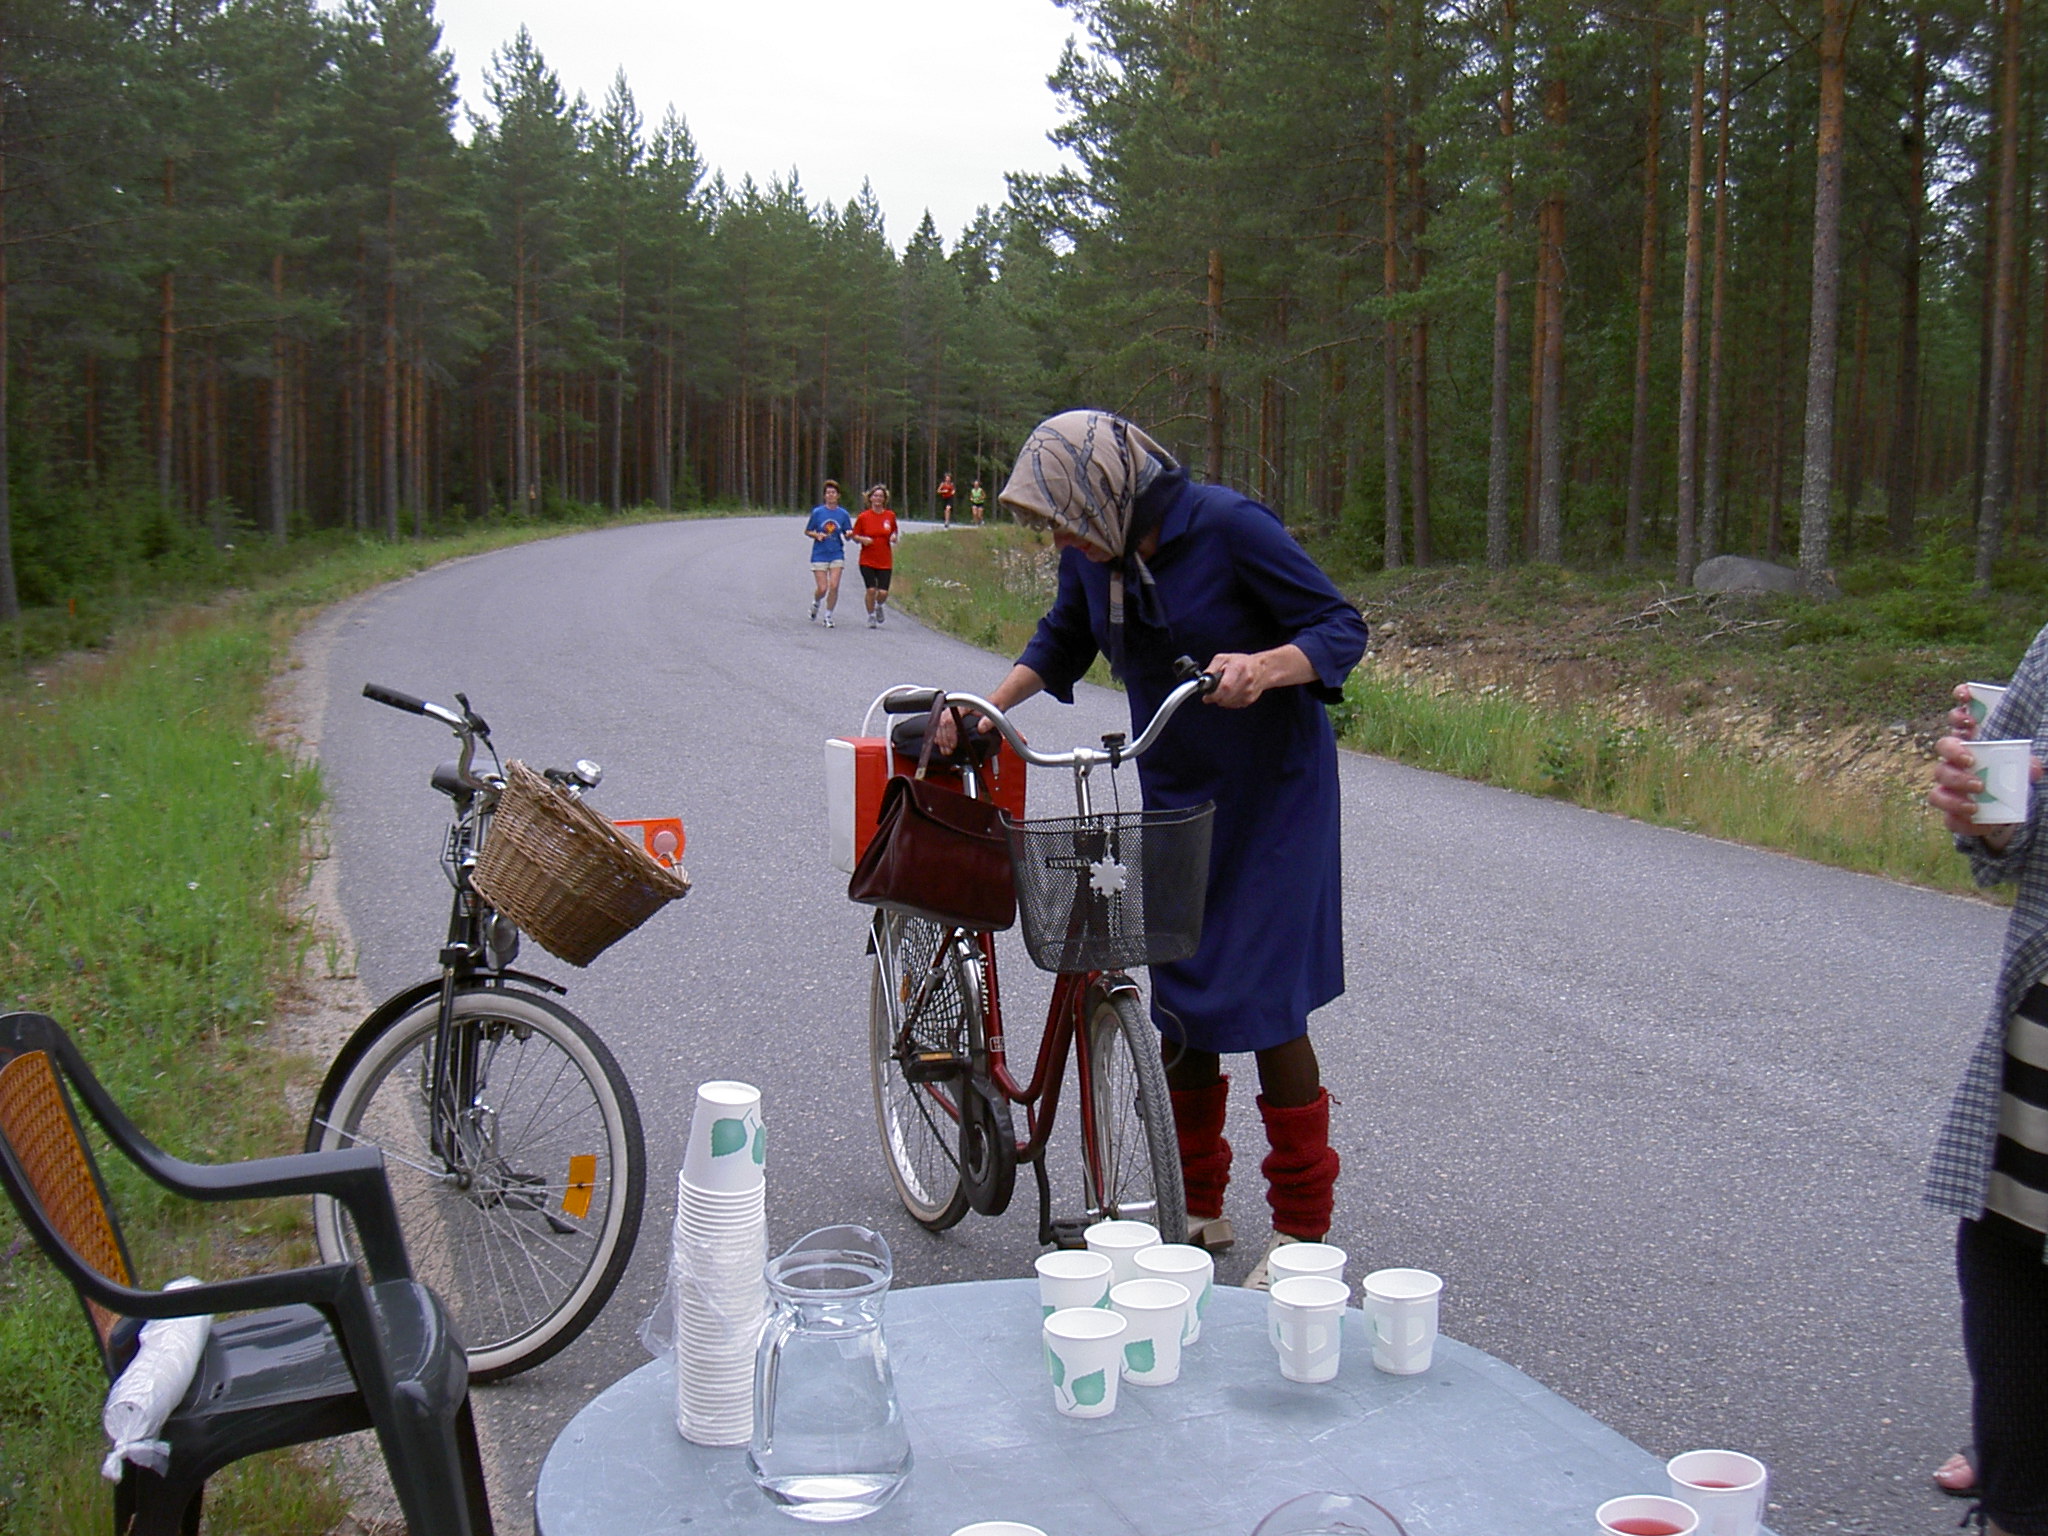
1655	1106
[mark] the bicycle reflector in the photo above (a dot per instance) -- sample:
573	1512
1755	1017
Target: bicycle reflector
582	1185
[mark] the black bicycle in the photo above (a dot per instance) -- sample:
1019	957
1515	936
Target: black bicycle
510	1135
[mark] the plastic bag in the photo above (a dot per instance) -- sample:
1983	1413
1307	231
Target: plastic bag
154	1383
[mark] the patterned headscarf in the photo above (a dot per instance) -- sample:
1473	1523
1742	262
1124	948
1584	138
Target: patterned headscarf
1083	471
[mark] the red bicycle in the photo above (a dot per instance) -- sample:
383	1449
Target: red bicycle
1097	894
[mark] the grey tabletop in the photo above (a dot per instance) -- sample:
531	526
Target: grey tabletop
1472	1447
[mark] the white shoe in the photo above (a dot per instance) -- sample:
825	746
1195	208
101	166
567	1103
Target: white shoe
873	622
1210	1232
814	608
828	618
881	615
1261	1277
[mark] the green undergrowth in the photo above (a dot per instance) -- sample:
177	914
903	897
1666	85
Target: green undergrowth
1901	636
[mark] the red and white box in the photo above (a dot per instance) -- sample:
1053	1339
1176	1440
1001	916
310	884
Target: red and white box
857	768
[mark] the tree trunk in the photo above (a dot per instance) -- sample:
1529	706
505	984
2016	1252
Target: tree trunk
522	497
1998	394
1815	489
274	426
1902	488
1418	382
10	591
1213	458
1550	484
1390	284
1689	318
1646	293
167	358
1499	458
388	424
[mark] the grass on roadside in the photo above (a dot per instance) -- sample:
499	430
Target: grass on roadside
990	588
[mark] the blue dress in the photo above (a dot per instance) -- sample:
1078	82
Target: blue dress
1230	578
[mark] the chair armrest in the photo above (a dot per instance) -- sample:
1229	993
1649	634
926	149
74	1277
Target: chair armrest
321	1285
352	1175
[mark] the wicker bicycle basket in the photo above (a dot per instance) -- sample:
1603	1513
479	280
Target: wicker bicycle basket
1099	893
564	874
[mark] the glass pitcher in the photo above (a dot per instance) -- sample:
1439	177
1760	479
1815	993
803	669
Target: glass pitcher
829	1441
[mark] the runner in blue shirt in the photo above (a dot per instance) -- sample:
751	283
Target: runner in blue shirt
827	532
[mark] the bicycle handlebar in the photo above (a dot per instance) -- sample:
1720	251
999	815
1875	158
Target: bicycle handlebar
1195	684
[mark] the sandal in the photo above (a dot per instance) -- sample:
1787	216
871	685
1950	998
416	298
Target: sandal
1957	1477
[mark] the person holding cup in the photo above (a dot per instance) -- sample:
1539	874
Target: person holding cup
1990	1165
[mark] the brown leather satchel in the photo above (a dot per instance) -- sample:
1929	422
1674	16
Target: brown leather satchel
937	854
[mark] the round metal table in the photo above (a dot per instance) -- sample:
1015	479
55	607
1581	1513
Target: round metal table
1470	1448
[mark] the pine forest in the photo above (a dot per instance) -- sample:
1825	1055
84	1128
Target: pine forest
1487	282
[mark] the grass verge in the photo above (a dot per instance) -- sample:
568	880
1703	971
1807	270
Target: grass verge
989	588
151	854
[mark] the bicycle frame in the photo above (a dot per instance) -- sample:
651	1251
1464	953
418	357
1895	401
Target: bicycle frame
1067	1010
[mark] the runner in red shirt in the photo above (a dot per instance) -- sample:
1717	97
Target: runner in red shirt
875	532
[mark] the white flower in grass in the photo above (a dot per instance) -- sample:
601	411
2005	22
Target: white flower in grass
191	885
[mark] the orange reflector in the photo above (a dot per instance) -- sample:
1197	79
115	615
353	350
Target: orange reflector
582	1184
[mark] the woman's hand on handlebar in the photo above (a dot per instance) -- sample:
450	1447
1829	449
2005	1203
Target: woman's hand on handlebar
1241	678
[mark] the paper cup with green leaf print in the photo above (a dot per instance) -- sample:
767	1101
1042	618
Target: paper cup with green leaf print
1192	1267
728	1146
2006	769
1984	698
1084	1348
1157	1311
1071	1277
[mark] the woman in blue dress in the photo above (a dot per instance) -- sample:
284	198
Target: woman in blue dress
1155	567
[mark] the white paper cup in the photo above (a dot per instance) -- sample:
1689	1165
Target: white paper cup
1305	1319
1306	1259
1726	1487
2002	765
727	1146
1193	1267
1984	698
1068	1277
1646	1514
1401	1308
1121	1240
999	1528
1084	1352
1157	1311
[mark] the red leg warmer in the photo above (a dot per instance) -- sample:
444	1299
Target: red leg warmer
1301	1170
1204	1154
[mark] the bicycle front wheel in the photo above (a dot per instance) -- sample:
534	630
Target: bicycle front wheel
523	1219
924	1013
1130	1158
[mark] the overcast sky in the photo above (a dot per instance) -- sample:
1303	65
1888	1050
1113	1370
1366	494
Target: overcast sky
931	100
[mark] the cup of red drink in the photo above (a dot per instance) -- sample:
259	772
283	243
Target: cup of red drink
1647	1514
1726	1487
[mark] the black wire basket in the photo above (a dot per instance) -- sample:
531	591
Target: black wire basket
1104	893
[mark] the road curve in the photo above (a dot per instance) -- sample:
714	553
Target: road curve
1654	1105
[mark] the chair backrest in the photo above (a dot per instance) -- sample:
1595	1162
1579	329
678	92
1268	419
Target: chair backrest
50	1172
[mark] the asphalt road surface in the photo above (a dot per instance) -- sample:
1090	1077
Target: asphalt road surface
1655	1106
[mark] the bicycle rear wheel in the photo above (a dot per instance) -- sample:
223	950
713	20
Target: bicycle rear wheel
924	1017
524	1223
1130	1159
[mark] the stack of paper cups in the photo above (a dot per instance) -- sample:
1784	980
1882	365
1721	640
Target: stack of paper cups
720	1246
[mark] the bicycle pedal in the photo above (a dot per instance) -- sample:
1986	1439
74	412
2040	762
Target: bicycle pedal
933	1067
1069	1232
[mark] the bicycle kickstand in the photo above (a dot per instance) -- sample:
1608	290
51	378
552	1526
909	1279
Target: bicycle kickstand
1064	1232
